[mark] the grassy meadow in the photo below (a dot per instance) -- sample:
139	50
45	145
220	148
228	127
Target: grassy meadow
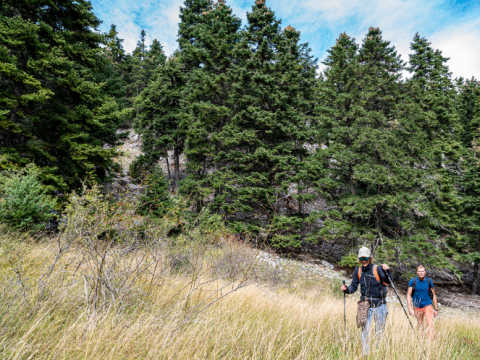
188	315
105	287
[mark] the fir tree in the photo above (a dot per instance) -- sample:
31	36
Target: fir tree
112	75
467	243
141	66
376	170
212	41
467	98
339	93
140	73
428	66
161	115
475	123
263	142
432	89
435	93
190	16
156	201
155	57
113	46
53	111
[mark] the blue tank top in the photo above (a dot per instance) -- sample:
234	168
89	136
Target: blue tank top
421	298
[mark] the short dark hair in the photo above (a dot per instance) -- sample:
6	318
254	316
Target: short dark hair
421	266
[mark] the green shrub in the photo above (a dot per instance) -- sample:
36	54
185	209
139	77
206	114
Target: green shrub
24	202
156	200
349	260
139	167
210	223
116	167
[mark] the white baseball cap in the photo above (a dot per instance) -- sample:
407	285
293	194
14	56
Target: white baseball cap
364	252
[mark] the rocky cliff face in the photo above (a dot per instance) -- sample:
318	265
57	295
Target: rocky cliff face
130	150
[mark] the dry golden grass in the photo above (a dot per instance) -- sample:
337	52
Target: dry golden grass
251	323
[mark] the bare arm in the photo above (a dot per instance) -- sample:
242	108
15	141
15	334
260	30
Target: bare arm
409	301
435	303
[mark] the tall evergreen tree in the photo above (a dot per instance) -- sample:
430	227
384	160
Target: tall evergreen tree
467	243
155	57
432	89
339	97
428	66
190	15
52	110
467	98
145	61
140	73
112	75
262	145
161	115
113	45
376	170
140	67
435	93
212	41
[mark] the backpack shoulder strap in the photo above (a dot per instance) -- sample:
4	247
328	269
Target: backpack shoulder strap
414	285
377	276
375	272
359	272
430	285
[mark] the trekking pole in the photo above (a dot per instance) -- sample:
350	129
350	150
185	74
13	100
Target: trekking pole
403	307
400	300
345	317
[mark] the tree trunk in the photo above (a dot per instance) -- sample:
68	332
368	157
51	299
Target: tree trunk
352	183
168	171
18	92
475	269
177	169
298	146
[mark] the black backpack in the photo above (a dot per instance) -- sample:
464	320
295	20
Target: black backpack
429	282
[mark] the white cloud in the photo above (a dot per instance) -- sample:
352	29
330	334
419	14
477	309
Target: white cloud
461	44
321	21
399	20
159	19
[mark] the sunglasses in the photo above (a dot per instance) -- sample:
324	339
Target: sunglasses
364	258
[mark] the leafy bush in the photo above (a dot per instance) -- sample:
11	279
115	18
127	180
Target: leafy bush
24	202
97	216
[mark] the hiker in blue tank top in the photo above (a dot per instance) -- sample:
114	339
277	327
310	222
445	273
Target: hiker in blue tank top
422	301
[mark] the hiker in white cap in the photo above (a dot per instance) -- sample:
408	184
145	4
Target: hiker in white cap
372	305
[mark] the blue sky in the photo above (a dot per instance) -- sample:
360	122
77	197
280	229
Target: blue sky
451	26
